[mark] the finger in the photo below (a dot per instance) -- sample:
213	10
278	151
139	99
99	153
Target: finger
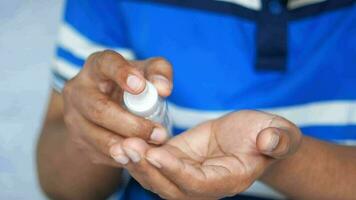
109	65
275	142
118	154
101	139
93	140
159	72
101	110
146	174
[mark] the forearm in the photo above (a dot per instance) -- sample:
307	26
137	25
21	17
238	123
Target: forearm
319	170
64	172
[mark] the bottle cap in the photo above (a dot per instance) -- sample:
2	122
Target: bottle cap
143	104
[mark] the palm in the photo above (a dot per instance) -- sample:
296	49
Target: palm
224	149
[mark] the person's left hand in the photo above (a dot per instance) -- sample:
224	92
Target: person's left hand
218	158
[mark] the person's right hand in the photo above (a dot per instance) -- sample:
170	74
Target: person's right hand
93	111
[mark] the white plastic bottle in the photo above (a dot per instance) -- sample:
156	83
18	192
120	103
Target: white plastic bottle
150	105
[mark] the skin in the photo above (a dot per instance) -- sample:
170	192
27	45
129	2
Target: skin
82	147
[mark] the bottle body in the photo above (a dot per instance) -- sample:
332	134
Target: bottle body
150	105
161	116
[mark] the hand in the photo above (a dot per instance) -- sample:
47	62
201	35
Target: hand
216	159
92	104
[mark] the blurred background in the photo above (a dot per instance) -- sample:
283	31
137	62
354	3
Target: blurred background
28	30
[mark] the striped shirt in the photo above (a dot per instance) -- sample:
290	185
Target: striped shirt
294	58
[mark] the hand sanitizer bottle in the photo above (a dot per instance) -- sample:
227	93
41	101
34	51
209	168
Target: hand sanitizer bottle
150	105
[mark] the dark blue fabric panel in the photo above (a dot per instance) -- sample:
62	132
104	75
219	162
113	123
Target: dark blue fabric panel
271	36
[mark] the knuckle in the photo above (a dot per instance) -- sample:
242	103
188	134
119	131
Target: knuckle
107	57
160	62
92	56
109	54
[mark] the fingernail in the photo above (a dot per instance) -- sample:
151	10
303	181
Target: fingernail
117	154
158	135
134	82
133	155
121	159
273	142
161	81
153	162
115	149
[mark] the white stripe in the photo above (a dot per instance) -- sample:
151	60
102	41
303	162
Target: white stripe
66	69
251	4
299	3
80	46
317	113
346	142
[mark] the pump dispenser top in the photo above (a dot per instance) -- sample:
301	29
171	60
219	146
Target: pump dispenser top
143	104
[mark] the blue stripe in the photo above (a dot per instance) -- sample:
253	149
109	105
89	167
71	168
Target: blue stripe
67	55
327	133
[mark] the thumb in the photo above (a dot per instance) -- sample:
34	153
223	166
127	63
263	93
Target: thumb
277	143
159	72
